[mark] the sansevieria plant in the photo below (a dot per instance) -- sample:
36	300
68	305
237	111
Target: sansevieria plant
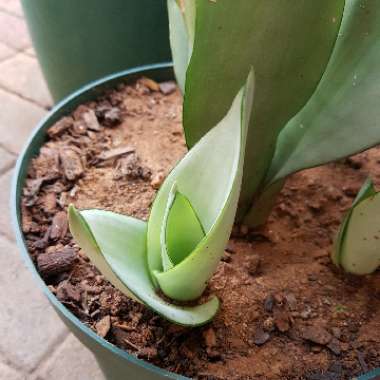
317	69
317	85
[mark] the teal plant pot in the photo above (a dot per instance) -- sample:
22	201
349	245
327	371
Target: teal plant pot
115	363
80	41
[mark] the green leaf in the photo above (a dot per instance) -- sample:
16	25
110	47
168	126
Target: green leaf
180	42
181	230
119	252
289	45
210	177
357	249
343	115
365	192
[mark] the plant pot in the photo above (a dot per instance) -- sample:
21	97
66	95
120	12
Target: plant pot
115	363
80	41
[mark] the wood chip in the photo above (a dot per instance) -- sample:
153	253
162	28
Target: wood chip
60	126
103	326
281	319
51	264
116	152
150	83
91	120
50	203
209	337
68	292
71	164
59	226
316	334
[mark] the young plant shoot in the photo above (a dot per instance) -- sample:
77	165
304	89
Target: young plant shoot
180	246
317	66
357	246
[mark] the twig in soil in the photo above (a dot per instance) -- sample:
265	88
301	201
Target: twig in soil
129	343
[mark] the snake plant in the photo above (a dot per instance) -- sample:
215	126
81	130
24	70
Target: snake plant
177	250
357	246
317	66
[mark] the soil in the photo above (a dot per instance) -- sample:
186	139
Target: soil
287	312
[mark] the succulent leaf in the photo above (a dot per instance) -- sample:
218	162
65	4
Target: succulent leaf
343	115
289	45
180	247
357	246
215	164
116	245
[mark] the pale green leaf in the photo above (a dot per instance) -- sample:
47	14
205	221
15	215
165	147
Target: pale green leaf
366	191
119	252
209	176
343	115
288	43
360	249
181	33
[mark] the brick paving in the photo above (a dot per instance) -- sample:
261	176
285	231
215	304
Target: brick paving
34	343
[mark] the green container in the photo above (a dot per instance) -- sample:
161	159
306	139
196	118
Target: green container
115	363
78	41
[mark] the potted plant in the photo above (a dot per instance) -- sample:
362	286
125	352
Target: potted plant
77	43
305	89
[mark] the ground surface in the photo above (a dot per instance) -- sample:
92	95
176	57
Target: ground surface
34	343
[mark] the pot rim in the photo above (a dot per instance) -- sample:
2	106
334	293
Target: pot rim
16	188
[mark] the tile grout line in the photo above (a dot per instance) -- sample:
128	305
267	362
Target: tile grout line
8	167
44	107
54	347
2	146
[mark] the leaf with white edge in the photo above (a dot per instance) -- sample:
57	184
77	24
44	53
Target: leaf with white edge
209	176
357	248
343	115
367	190
119	252
181	33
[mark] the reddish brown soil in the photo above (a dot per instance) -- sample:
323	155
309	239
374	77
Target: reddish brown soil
287	312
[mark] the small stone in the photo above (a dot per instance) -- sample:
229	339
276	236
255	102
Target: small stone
112	117
167	87
261	337
316	334
268	324
157	181
269	303
306	314
253	264
103	326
